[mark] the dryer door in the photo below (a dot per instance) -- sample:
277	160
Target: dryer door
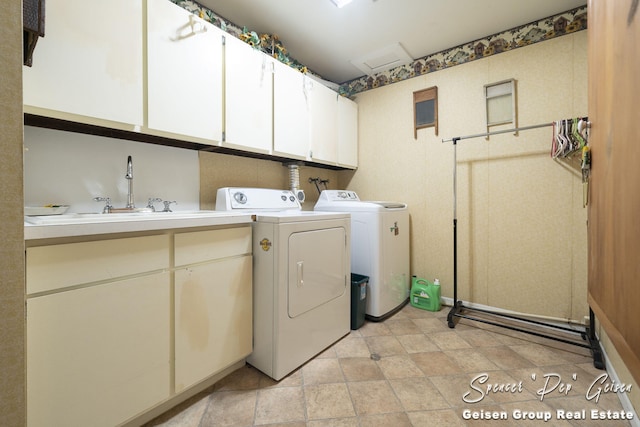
317	269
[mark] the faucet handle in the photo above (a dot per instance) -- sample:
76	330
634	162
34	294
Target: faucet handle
167	203
153	200
107	207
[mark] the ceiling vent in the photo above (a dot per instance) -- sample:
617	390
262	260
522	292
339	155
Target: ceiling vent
382	59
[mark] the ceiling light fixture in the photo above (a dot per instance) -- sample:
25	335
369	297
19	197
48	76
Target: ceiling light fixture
341	3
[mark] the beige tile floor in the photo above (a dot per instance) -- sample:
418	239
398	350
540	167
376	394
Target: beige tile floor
410	370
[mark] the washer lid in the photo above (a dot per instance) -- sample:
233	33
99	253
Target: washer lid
351	206
348	201
391	205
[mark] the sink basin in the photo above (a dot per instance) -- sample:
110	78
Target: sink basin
88	218
84	224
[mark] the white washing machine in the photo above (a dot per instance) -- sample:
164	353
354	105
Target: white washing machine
379	248
301	277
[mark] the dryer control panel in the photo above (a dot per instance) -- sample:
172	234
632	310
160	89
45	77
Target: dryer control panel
255	199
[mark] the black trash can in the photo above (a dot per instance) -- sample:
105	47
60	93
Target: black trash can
358	299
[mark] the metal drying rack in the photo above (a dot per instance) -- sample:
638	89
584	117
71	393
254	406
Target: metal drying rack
582	336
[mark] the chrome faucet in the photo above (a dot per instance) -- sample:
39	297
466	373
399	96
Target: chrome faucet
129	176
131	205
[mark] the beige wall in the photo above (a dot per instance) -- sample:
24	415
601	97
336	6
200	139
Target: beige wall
521	225
221	170
12	379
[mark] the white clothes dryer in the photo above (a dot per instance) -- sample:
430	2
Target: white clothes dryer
301	277
379	248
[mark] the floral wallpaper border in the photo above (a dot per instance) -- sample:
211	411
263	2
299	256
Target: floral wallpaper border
267	43
535	32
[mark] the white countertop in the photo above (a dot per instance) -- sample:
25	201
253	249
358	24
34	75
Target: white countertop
70	226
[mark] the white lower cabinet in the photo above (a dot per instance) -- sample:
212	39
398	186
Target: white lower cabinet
116	327
99	355
213	302
213	323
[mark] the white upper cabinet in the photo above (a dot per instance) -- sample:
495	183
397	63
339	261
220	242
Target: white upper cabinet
150	66
88	68
184	57
311	122
324	124
347	133
291	112
248	98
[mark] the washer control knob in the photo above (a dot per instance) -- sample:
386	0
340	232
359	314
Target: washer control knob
342	195
284	198
240	197
292	198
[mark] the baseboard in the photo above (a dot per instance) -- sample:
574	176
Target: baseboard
623	397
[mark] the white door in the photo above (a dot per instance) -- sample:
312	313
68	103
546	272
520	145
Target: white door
213	320
184	55
98	355
248	97
88	67
347	133
291	118
324	124
317	266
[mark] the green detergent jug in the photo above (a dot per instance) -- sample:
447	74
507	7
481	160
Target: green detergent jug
424	294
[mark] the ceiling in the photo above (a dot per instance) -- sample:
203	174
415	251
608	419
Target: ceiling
326	38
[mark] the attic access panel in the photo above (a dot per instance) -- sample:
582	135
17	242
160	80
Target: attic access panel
425	110
382	59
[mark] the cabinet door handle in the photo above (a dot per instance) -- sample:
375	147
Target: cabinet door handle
300	274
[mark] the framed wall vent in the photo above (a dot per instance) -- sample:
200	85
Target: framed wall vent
501	103
425	110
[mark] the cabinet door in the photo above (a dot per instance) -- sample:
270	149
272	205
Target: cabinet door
291	119
347	133
248	97
88	67
98	355
184	57
55	267
213	318
324	124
